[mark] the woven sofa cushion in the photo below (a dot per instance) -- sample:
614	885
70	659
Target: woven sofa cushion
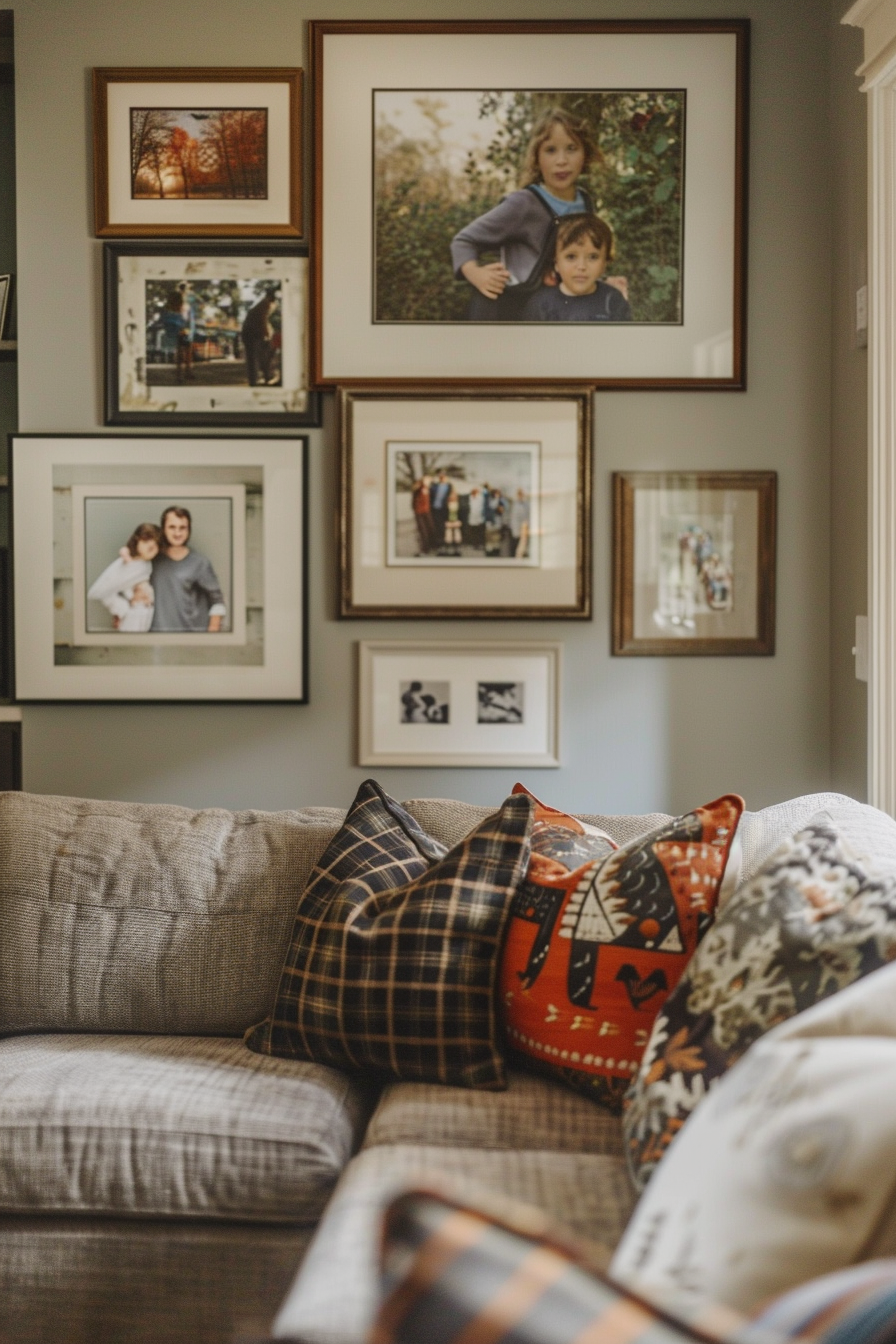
336	1292
799	1139
448	820
147	918
185	1127
534	1112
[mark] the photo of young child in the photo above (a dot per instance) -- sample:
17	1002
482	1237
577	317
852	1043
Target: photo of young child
125	587
475	186
584	248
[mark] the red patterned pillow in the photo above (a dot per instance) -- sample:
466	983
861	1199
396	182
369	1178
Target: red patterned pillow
591	954
560	842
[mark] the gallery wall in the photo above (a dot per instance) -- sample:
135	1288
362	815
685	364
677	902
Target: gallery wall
638	734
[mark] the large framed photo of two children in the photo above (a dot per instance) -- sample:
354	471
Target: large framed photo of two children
159	568
530	201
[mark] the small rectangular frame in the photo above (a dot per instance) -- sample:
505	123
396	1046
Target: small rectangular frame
539	440
120	140
459	704
694	562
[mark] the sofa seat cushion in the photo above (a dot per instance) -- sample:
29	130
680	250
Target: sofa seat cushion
534	1112
192	1127
336	1292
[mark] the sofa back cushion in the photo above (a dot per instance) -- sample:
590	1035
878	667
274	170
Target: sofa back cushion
147	917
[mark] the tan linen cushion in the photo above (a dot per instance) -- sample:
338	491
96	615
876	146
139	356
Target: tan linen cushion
170	1126
336	1292
534	1112
447	820
147	918
786	1170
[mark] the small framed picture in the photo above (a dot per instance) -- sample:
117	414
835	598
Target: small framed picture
459	704
471	504
159	569
197	153
5	292
207	334
694	562
531	201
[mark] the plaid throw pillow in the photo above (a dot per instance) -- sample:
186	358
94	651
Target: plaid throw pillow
453	1274
393	959
592	954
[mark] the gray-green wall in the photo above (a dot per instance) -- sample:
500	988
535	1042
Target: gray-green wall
638	733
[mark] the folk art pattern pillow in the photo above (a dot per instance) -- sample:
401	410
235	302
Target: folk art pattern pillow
814	919
594	948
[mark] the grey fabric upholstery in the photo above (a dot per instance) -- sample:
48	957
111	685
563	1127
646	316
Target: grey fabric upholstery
449	821
123	1281
335	1293
871	833
534	1113
170	1126
147	918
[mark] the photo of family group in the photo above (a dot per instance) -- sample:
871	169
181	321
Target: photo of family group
529	205
430	701
458	505
213	332
696	572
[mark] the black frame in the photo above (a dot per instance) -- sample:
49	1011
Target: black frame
9	611
112	415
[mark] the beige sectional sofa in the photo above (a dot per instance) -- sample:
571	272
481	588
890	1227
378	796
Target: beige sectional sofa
158	1181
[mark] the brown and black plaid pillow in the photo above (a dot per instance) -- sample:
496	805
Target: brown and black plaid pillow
394	956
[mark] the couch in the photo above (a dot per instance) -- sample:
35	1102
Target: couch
159	1181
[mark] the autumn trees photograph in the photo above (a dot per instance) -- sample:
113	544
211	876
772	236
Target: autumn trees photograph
199	153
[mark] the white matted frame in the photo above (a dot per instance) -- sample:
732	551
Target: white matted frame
459	704
550	427
706	60
119	93
254	495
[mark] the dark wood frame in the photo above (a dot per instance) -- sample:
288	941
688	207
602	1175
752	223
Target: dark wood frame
581	610
625	484
740	28
226	419
104	76
302	441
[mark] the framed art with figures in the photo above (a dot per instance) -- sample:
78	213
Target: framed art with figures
429	703
530	201
211	333
466	504
159	569
694	562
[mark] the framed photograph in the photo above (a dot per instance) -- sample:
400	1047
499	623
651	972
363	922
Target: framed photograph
459	704
5	292
159	569
197	153
530	201
694	562
207	334
472	504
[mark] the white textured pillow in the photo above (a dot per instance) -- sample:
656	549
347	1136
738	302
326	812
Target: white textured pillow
787	1170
